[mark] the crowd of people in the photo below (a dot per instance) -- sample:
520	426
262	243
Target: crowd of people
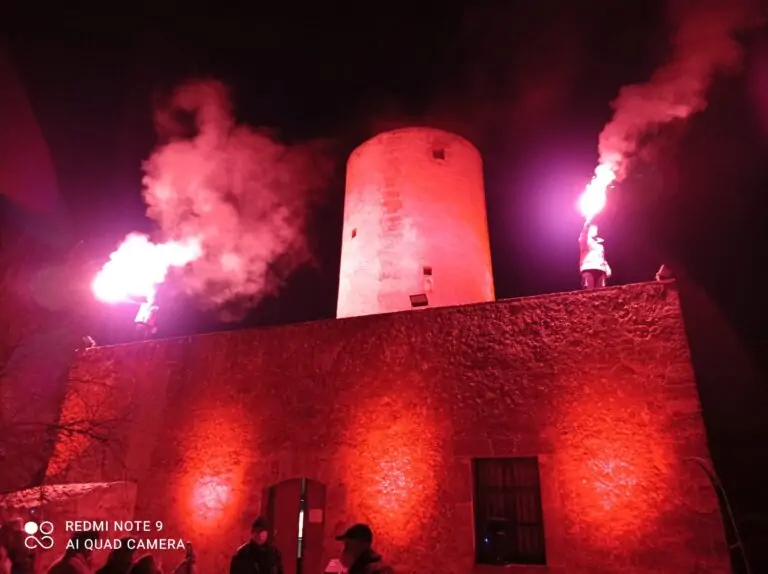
257	556
16	558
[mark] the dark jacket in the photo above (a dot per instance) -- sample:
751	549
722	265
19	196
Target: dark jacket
23	565
114	567
370	562
257	559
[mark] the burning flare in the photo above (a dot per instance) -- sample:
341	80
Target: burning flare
233	198
592	201
703	46
240	191
138	266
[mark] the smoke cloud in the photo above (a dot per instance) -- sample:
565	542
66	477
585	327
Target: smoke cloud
703	46
238	190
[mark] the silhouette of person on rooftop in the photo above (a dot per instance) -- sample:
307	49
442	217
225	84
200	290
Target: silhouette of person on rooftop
594	268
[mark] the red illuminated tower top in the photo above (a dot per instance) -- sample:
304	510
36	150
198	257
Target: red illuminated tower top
415	225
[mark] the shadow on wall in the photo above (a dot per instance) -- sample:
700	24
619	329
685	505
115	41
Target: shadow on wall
734	401
731	386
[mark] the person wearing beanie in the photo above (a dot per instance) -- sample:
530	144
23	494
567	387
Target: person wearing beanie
258	555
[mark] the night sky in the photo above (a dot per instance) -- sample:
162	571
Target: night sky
530	85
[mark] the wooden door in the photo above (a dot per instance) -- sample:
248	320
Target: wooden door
313	528
284	506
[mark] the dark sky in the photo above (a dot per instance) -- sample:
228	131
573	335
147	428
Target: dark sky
530	85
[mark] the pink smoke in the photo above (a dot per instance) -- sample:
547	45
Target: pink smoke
243	194
703	46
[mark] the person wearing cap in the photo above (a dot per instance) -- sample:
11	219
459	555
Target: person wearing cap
258	555
593	266
358	555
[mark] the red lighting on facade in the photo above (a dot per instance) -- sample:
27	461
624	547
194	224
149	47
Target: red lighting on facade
215	460
393	468
211	496
617	468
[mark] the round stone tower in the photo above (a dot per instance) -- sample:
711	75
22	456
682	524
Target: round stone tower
415	225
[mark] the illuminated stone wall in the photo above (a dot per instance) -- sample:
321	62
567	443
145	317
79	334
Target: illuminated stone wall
414	223
389	410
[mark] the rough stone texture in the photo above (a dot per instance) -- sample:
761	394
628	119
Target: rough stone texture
60	503
405	210
389	410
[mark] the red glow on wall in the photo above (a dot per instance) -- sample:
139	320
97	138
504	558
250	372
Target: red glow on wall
393	468
215	462
618	471
614	481
211	496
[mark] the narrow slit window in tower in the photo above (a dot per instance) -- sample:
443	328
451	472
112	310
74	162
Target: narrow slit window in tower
438	153
354	233
427	281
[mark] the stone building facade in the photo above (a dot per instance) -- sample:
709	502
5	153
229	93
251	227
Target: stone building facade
565	422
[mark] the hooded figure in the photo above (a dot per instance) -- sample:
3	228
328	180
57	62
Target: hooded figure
358	555
77	558
13	549
119	560
594	268
258	555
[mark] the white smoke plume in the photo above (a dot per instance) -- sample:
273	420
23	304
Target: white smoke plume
703	46
243	194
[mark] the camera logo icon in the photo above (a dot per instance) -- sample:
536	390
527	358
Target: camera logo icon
44	529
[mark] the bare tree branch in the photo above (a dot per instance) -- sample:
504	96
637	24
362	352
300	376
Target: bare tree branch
44	411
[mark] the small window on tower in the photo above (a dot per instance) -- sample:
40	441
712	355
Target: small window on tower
419	300
354	233
427	281
438	153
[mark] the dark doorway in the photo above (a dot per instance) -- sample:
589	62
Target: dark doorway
296	510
